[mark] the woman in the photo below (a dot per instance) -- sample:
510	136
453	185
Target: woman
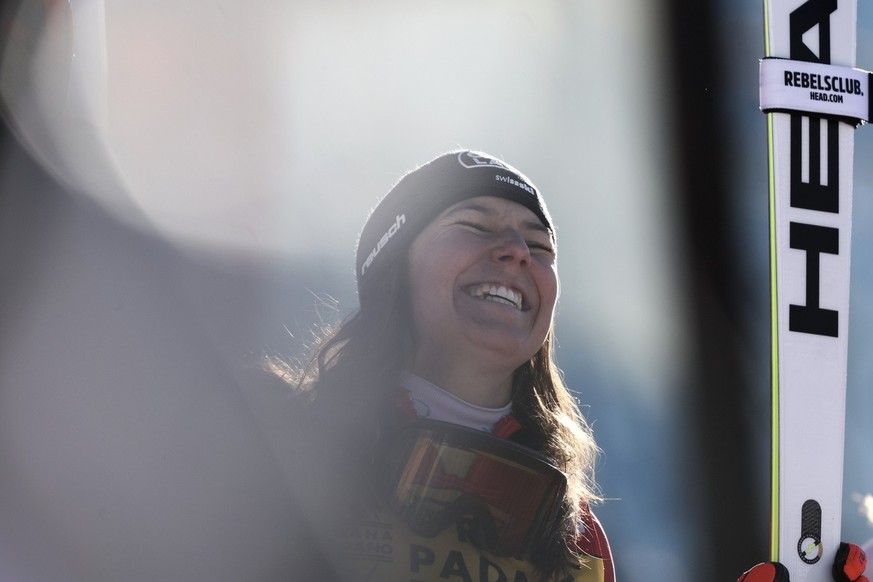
456	448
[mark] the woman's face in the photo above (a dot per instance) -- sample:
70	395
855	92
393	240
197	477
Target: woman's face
483	284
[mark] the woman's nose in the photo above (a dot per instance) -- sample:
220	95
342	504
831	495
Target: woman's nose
511	247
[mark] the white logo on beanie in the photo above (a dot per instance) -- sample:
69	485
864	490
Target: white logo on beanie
514	182
478	160
392	230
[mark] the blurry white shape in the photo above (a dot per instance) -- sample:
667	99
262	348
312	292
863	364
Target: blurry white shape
868	507
172	128
53	82
195	127
865	505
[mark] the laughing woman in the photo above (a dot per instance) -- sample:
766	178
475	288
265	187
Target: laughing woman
439	440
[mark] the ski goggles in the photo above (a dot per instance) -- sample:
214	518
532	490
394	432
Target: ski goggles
503	497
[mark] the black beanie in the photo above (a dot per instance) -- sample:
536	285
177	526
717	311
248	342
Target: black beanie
422	194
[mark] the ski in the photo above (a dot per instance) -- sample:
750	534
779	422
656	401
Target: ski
814	99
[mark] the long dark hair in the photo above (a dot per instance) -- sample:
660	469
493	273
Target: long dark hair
352	371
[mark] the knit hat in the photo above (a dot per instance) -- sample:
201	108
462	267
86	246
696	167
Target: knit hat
422	194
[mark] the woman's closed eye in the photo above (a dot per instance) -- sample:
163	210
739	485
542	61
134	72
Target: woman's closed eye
474	225
536	246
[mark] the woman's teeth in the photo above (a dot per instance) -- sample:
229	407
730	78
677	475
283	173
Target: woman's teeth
497	293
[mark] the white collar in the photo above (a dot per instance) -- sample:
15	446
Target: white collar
431	401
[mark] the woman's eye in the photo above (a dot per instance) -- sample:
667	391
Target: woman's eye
540	247
473	225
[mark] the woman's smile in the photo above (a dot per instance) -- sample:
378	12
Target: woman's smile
497	293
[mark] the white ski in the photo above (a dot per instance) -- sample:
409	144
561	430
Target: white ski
814	99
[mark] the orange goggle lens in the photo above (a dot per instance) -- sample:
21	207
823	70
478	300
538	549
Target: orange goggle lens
501	495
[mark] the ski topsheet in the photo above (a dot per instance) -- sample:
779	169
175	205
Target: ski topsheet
811	141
